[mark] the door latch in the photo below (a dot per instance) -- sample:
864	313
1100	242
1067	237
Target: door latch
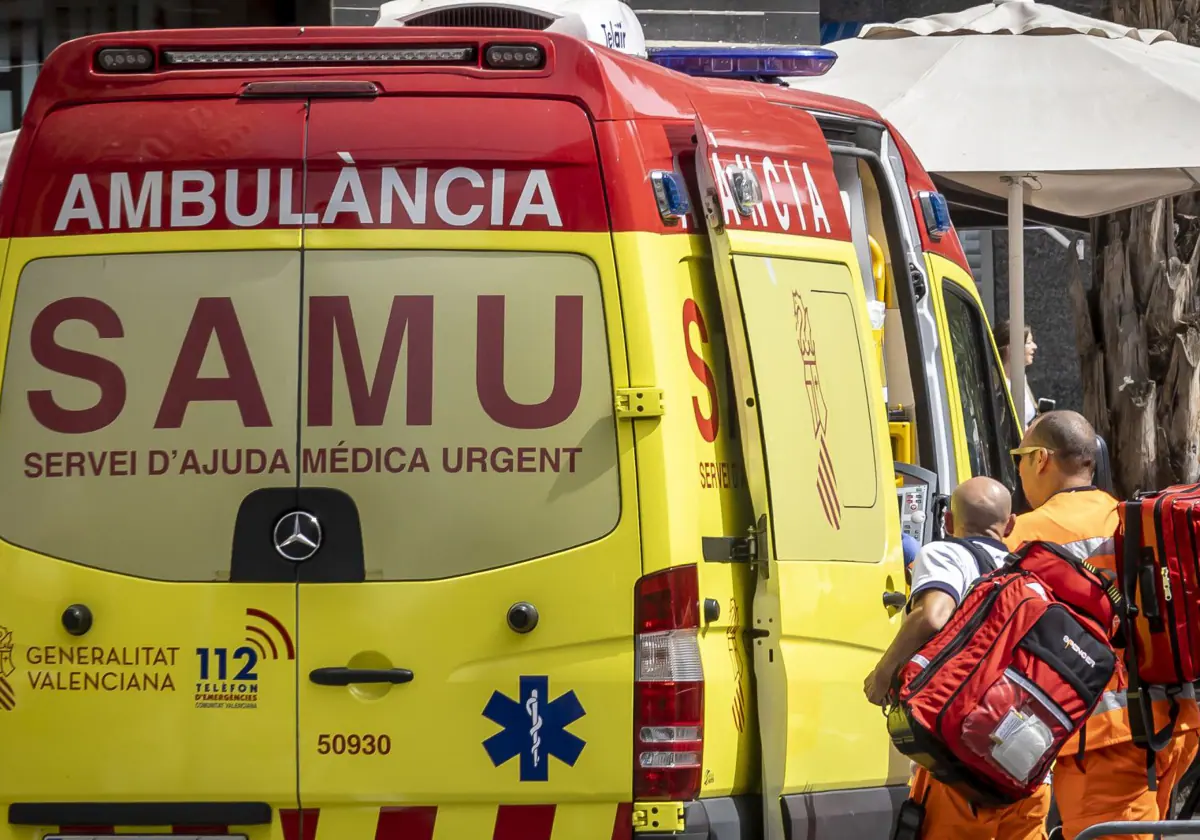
918	282
632	403
658	816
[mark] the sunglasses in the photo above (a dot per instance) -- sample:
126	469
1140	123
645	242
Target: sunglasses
1028	450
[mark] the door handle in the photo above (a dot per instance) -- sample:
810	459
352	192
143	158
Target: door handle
894	599
350	676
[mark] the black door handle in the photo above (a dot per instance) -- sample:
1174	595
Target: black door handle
894	599
349	676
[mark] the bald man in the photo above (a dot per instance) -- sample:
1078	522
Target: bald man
979	518
1100	775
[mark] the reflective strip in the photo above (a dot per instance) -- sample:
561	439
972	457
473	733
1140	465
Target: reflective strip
1083	549
1111	701
1041	696
920	660
1187	692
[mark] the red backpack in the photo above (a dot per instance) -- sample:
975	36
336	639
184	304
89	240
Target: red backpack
987	703
1158	566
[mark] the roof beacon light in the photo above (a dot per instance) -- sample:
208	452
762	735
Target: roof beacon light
936	211
745	62
671	196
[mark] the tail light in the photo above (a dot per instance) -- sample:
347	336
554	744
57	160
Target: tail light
668	721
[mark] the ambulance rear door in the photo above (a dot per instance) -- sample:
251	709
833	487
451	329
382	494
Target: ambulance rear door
466	598
816	453
149	314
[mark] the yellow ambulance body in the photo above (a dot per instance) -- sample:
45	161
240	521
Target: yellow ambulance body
463	434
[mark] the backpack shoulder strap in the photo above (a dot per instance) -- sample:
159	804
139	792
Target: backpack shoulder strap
983	558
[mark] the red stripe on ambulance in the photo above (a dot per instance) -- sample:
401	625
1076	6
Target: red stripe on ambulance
623	824
86	829
299	825
406	823
524	822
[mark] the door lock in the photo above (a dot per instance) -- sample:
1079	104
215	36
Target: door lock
522	617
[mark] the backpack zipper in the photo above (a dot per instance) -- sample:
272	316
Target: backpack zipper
1169	602
963	635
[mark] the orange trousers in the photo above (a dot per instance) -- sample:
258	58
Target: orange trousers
1109	784
948	816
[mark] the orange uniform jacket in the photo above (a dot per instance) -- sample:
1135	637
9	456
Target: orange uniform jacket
1083	520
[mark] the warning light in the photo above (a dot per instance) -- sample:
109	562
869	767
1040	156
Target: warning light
125	60
670	195
744	186
745	62
514	57
936	211
319	56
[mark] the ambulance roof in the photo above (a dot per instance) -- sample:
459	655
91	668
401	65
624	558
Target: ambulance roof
609	84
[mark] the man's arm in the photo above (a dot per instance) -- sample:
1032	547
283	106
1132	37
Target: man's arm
930	612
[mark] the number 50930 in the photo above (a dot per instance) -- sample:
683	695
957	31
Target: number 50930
354	744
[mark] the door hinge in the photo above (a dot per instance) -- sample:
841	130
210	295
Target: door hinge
750	549
632	403
658	816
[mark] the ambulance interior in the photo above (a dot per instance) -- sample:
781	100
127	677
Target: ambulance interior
875	227
876	238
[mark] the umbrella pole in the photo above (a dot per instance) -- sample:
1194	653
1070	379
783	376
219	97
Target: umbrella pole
1016	293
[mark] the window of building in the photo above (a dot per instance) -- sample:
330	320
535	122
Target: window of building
31	31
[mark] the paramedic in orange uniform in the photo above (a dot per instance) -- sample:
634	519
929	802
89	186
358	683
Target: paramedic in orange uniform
980	513
1100	775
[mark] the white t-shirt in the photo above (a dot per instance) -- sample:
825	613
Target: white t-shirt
1030	402
950	567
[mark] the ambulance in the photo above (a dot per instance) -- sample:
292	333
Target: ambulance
459	432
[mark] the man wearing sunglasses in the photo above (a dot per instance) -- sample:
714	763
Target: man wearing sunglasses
1100	775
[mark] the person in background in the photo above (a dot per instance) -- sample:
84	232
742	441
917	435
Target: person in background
979	518
1100	774
1002	336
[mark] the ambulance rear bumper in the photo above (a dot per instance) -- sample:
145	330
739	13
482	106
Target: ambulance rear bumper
721	818
830	815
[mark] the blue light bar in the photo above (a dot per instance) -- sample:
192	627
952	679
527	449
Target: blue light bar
670	195
936	211
745	62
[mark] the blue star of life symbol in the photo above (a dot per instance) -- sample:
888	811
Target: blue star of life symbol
534	728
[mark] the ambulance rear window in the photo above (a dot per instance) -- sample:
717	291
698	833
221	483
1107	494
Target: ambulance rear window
463	400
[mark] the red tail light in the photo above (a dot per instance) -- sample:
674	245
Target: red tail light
668	720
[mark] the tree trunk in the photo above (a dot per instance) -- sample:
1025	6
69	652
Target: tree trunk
1138	330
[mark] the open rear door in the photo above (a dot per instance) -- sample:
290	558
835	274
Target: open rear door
818	466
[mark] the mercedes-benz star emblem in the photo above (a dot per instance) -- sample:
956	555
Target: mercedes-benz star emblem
297	536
